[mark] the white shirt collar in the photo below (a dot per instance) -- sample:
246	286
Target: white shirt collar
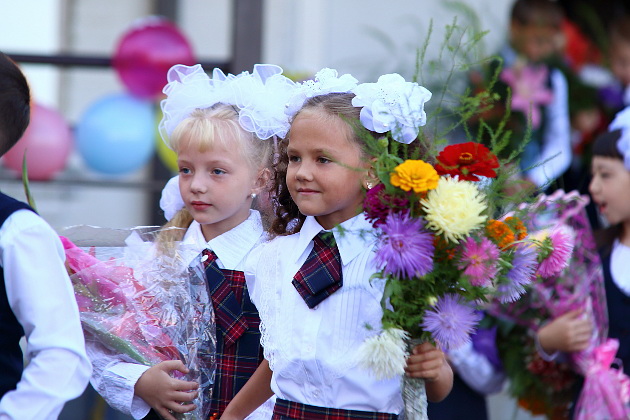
232	246
352	236
618	263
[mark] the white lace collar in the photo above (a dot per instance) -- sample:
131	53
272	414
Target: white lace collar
352	236
232	246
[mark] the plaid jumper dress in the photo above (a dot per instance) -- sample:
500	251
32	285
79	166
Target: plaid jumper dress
238	336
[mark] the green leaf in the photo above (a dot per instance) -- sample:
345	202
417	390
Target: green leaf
114	342
27	189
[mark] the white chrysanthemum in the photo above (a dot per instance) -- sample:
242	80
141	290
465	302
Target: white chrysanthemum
385	354
454	208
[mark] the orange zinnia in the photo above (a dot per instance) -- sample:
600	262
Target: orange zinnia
500	233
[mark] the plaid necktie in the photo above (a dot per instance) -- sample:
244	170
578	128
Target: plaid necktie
228	311
320	276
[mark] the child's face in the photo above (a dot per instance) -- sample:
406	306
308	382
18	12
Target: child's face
325	171
535	42
610	189
216	186
620	61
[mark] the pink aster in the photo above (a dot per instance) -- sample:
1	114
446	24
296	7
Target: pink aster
529	90
479	261
451	321
406	248
555	253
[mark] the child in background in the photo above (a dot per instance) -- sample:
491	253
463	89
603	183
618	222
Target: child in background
312	327
36	298
215	127
610	190
535	35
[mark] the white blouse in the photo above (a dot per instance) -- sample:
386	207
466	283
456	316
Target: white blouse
41	297
619	266
313	352
115	376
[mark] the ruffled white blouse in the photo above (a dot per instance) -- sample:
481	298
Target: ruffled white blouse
313	353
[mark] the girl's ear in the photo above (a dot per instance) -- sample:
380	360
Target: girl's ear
262	181
370	179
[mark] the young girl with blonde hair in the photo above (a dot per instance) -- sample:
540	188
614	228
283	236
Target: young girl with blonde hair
217	127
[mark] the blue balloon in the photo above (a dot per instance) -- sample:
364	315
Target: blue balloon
115	135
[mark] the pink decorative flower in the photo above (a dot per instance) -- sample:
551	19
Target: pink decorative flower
479	261
556	251
529	90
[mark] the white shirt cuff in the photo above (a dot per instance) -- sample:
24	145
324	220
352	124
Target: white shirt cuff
543	354
126	375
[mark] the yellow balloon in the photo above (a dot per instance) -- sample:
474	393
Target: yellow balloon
166	155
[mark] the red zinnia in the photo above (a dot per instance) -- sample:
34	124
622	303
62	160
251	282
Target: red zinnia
468	160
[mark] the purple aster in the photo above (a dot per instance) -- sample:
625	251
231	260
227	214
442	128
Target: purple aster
520	275
378	204
406	249
479	261
560	248
451	321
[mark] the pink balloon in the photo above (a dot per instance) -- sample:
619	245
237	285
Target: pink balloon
47	142
146	52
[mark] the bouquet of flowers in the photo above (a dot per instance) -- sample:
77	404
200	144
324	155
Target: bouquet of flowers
442	247
545	386
442	253
146	305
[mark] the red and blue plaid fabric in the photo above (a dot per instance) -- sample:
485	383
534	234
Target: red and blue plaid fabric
238	349
227	310
320	275
284	410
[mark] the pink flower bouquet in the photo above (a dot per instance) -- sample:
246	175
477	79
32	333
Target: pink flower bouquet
146	306
571	278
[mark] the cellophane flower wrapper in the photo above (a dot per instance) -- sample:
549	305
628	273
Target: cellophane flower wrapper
145	303
579	285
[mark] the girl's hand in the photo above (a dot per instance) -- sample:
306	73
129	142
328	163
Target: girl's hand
426	362
165	394
570	332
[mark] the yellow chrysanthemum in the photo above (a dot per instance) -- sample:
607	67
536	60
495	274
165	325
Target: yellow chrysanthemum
454	208
416	175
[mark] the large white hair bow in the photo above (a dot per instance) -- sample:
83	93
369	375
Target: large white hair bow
392	104
622	122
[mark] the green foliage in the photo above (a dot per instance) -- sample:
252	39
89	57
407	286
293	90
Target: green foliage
454	105
27	188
